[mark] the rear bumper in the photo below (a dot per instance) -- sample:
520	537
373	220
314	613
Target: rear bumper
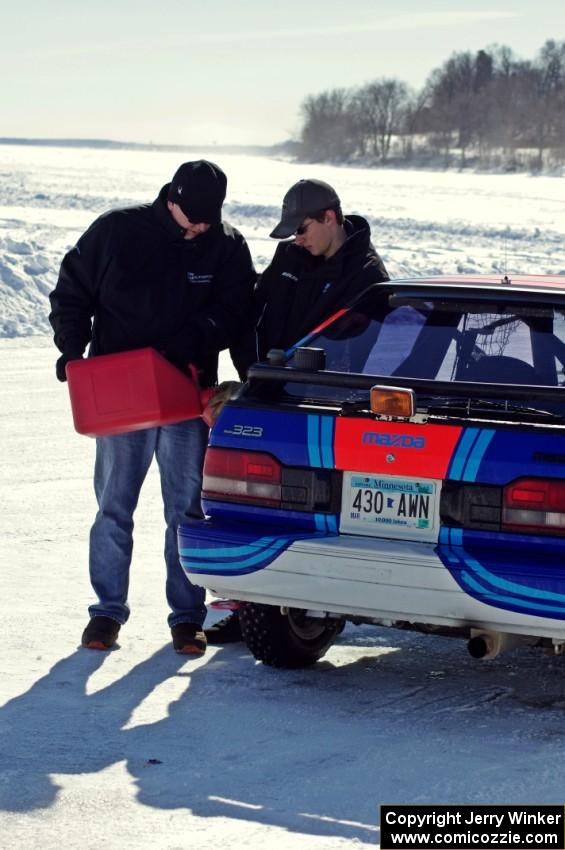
370	578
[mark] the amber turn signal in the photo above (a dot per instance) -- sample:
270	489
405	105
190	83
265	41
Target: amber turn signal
393	401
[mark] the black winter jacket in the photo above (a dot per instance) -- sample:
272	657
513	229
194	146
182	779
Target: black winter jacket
297	291
133	281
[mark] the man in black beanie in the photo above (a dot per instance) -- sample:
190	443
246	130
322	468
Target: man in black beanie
199	189
173	276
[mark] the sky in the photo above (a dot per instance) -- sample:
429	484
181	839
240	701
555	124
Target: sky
225	72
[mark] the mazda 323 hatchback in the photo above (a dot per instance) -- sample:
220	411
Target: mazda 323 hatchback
405	465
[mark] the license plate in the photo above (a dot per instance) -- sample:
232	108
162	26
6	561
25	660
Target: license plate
388	506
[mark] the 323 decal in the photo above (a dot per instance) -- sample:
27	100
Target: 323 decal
244	431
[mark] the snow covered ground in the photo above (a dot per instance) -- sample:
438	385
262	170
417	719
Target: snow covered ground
140	747
423	222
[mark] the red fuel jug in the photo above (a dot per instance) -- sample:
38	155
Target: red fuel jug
117	393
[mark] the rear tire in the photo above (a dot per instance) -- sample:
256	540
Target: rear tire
286	640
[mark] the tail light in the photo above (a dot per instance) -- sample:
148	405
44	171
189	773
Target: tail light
534	505
242	476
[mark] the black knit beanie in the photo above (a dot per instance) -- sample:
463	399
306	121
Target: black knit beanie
199	188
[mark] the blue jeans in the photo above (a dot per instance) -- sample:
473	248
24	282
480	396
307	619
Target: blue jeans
121	465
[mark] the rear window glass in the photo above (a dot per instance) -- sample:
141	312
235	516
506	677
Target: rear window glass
443	340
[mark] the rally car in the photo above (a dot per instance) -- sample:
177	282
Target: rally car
403	464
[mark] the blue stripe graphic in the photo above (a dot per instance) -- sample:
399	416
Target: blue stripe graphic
320	431
247	558
314	455
509	600
443	538
511	586
229	551
487	587
326	522
327	441
320	521
270	553
462	451
476	456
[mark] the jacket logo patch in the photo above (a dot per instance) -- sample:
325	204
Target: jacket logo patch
289	275
199	278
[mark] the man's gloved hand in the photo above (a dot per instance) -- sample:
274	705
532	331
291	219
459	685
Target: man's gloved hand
224	392
65	358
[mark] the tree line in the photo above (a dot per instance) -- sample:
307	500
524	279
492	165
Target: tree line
489	109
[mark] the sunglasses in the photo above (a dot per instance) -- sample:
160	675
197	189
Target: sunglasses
300	231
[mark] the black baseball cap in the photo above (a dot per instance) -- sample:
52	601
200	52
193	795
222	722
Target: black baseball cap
199	188
301	200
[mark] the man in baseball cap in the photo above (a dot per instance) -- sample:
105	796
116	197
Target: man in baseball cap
328	260
303	198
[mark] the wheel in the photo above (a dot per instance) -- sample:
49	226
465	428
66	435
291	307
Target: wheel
286	640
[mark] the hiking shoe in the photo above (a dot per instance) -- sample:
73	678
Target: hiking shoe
227	630
101	633
189	639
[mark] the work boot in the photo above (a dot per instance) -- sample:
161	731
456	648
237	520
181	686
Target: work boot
227	630
101	633
188	639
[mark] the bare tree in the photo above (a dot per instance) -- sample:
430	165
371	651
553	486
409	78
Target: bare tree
382	104
413	120
452	93
328	131
505	102
548	107
483	113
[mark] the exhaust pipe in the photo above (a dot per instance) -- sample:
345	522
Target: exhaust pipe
485	645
